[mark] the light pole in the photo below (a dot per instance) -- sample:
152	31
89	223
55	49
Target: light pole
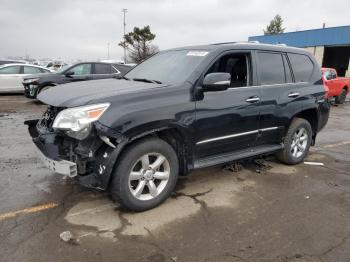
124	10
108	51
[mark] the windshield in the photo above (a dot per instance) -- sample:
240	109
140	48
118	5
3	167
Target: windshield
169	66
63	68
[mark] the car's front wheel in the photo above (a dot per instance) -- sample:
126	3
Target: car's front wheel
145	174
296	142
340	99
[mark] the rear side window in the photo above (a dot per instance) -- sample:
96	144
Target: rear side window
271	68
302	67
31	70
10	70
102	69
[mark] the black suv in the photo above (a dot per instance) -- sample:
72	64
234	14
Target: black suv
34	84
180	110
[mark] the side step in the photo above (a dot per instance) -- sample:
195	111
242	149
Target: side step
229	157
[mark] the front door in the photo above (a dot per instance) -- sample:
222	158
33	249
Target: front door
228	121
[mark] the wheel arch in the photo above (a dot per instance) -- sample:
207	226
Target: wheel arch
310	115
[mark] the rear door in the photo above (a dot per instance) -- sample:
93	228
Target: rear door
280	96
11	78
101	71
227	121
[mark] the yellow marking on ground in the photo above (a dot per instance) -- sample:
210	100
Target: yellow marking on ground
27	211
337	144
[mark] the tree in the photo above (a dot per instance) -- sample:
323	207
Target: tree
275	26
139	45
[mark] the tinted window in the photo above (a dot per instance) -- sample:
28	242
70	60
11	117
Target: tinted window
102	69
271	68
302	67
287	70
10	70
234	64
31	70
82	69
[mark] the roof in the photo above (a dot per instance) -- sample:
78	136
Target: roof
19	64
315	37
242	46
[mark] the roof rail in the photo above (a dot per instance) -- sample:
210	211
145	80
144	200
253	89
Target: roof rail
239	42
224	43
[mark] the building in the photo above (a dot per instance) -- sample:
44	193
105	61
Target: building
330	46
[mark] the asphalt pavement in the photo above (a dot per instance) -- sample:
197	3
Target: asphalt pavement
257	210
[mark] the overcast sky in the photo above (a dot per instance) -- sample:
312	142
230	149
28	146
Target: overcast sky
73	29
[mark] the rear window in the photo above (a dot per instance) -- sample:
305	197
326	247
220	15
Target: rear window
102	69
271	68
302	67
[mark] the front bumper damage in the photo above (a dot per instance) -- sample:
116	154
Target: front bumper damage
91	160
30	90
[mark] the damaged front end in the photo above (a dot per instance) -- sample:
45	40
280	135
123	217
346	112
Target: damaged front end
87	150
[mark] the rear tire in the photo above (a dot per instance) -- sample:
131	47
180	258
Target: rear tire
340	99
296	142
145	175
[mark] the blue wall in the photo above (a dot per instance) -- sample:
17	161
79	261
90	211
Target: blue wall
316	37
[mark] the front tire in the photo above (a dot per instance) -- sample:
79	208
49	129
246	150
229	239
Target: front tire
296	142
340	99
145	175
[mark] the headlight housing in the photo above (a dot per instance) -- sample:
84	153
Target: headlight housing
79	119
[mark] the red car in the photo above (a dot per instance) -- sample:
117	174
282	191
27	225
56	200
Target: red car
338	87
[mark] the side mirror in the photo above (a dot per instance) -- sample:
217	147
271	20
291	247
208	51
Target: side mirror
69	73
216	82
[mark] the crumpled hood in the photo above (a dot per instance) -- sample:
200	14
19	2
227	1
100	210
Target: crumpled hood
87	92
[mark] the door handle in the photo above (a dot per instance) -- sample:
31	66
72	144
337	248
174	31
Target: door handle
294	94
253	99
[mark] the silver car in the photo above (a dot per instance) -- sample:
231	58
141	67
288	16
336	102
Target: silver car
11	76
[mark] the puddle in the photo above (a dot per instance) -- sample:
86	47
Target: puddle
206	189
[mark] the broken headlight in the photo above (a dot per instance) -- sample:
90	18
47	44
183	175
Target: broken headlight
77	121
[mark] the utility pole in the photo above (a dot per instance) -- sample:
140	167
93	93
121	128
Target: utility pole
124	10
108	50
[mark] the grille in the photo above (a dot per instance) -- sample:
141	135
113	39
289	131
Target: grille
46	121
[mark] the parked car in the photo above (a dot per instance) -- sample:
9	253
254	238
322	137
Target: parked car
338	86
34	84
11	76
211	105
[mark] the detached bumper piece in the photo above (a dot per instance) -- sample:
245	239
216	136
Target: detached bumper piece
48	151
63	167
30	90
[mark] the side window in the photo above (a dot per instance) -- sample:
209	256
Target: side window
334	74
271	68
234	64
82	69
10	70
287	71
327	75
31	70
302	67
102	69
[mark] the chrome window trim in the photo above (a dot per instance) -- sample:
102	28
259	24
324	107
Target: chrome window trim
260	86
237	135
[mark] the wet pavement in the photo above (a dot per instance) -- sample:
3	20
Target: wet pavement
255	211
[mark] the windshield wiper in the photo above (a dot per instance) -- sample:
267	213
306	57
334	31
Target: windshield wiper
147	80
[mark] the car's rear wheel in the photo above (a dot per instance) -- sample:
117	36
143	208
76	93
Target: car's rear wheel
340	99
296	142
145	175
